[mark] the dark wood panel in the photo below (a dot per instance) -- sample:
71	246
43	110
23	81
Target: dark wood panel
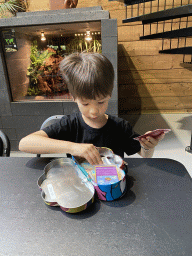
155	76
155	90
155	103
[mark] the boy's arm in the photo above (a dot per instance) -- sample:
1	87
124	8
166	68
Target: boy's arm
39	143
146	153
148	145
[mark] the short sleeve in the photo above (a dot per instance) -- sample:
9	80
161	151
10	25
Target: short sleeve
131	146
59	130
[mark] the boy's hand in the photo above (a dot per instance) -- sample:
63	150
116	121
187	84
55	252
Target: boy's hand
151	142
87	151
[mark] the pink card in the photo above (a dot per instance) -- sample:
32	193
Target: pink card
154	134
106	175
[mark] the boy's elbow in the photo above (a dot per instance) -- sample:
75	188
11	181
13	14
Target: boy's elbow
21	144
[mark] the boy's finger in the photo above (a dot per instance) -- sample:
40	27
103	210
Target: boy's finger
148	142
95	158
93	161
161	136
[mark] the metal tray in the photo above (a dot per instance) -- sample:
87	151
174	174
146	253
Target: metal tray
64	185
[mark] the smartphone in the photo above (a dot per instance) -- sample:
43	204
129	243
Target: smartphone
154	134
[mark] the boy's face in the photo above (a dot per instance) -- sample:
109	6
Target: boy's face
93	110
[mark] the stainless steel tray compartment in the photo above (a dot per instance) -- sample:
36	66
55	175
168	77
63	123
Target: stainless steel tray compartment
65	185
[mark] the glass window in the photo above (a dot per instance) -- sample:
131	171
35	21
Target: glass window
33	53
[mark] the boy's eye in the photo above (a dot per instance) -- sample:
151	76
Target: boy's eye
101	102
85	104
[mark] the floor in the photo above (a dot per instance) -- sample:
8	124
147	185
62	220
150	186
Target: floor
174	144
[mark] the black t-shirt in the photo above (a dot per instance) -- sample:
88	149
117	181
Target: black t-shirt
117	134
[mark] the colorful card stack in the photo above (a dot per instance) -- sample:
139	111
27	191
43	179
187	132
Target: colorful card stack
106	175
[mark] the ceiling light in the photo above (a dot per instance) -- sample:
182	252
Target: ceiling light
43	38
88	36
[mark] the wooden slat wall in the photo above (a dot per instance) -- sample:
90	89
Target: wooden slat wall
149	82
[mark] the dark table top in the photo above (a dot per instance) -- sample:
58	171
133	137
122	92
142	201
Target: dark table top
153	218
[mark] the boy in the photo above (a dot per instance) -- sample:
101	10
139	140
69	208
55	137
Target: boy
89	77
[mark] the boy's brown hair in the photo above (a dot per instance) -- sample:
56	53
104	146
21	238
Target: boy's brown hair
88	75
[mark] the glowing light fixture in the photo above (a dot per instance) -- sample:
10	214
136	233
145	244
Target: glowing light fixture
88	36
43	38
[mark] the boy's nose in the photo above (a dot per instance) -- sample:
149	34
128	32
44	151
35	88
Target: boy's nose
94	111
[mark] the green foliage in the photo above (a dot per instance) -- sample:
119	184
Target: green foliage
96	46
9	41
33	91
81	45
37	57
11	6
35	69
37	61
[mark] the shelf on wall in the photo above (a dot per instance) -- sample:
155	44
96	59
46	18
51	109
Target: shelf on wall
132	2
184	32
178	12
182	50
